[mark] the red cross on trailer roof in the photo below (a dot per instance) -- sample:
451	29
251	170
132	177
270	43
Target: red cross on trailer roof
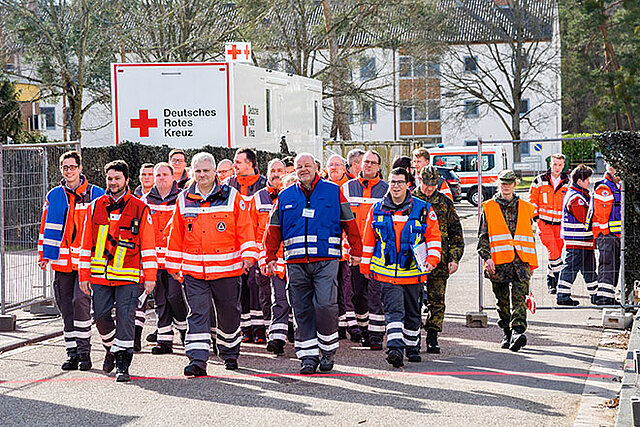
247	52
144	123
234	51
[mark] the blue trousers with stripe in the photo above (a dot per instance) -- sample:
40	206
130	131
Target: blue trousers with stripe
402	305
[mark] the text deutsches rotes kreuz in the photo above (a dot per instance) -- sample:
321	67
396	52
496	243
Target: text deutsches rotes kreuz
179	123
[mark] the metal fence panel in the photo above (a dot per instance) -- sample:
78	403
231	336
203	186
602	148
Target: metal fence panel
28	173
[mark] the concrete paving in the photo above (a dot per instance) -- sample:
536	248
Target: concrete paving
472	382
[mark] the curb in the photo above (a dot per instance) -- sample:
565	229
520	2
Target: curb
29	341
630	386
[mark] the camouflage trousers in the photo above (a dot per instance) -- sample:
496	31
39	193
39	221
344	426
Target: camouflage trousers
436	288
511	305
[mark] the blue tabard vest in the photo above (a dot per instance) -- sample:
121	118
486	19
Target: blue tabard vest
387	260
615	217
571	229
311	225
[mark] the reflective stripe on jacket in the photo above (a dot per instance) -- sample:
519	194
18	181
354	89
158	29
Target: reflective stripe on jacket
161	211
546	199
362	194
209	238
605	208
504	245
576	230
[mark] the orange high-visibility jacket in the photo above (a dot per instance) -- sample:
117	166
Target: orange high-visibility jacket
503	244
606	209
161	212
210	237
546	199
263	203
72	240
118	242
362	194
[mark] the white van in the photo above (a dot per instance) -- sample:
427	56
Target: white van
463	161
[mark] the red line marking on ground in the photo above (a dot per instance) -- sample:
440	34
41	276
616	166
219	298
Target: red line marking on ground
334	375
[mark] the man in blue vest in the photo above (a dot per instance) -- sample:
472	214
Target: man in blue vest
309	219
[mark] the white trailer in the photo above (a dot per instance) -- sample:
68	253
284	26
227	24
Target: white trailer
189	105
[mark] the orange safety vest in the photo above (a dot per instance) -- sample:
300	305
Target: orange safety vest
503	244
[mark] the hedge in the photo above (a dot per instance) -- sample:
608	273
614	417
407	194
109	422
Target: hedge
622	150
136	154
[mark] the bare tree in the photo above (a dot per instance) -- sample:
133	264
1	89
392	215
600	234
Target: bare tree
176	30
501	61
67	44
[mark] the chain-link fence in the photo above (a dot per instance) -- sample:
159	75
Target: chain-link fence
28	172
535	159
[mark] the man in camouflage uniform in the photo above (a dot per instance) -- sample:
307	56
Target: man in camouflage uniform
508	251
452	249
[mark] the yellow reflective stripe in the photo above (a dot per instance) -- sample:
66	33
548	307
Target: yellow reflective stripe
118	257
98	265
392	272
101	241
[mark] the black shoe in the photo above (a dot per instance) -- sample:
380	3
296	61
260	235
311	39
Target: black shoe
276	347
375	343
365	341
153	336
85	362
342	333
137	339
566	300
606	301
260	336
432	341
414	357
162	348
183	335
355	334
247	337
71	364
506	339
594	299
394	357
552	285
518	340
326	363
109	362
123	360
214	346
192	370
231	364
308	367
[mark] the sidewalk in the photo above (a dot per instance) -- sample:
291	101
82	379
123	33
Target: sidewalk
30	329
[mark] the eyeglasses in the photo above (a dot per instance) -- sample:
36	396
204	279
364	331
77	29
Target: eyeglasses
370	162
71	168
177	161
397	183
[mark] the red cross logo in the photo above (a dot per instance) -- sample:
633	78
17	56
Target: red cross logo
234	52
247	52
245	120
144	123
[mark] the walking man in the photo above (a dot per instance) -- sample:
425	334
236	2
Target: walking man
397	227
578	238
546	194
59	244
507	247
118	252
309	219
211	244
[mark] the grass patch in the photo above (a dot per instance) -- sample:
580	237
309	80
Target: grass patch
525	183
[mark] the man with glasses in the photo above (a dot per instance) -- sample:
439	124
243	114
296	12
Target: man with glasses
362	193
59	244
178	160
225	170
401	244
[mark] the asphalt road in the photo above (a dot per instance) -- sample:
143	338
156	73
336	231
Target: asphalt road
472	382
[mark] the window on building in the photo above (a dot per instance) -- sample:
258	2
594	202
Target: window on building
433	69
434	109
470	64
419	68
48	118
369	113
525	61
525	150
316	117
405	67
471	109
420	112
368	68
406	113
524	106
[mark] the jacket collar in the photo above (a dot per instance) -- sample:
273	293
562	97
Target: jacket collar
583	191
368	182
248	180
82	188
194	194
389	206
313	185
154	194
608	177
